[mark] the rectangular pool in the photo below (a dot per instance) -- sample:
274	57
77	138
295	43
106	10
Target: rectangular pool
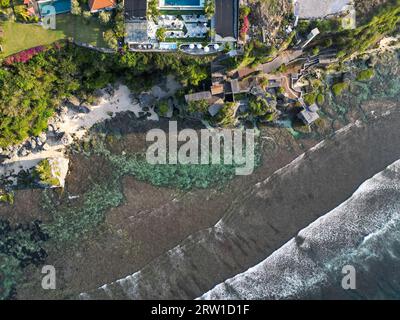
183	3
60	6
168	46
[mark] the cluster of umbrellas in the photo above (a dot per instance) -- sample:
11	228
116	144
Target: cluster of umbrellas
200	46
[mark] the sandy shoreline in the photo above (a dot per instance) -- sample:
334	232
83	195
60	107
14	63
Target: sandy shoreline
74	126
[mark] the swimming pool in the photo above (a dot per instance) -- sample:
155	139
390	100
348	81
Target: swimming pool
189	3
168	46
60	6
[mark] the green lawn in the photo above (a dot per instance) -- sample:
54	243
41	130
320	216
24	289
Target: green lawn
19	36
88	31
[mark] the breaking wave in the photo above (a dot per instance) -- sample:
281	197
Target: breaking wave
364	232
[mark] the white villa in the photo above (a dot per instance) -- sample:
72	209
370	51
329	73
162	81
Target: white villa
180	25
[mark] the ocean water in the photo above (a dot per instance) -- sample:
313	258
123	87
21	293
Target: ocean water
273	211
363	232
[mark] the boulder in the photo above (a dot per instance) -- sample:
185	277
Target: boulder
32	143
66	139
45	146
84	108
23	152
73	101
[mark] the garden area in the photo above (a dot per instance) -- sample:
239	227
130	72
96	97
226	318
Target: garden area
18	37
82	29
22	36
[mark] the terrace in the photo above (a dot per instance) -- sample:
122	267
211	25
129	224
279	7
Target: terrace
309	9
184	26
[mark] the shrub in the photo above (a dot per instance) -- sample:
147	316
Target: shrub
365	75
320	99
4	3
44	172
209	8
198	106
160	34
111	39
259	106
310	98
105	17
162	108
24	56
315	51
75	8
86	15
339	87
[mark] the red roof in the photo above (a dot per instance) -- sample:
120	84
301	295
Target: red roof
31	11
101	4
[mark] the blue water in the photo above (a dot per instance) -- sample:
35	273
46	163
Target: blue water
193	3
60	6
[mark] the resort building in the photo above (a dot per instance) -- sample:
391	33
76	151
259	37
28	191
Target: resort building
198	96
169	25
136	24
226	20
309	114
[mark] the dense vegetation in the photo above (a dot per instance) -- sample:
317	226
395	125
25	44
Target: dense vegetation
31	92
20	246
384	22
44	173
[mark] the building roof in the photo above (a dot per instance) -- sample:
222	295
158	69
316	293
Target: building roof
204	95
245	71
135	9
226	18
136	31
216	107
217	89
96	5
235	86
308	116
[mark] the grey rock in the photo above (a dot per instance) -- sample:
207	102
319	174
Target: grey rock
84	108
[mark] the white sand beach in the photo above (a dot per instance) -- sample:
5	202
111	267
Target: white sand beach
74	125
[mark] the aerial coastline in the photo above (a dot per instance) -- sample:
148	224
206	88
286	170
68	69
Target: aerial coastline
317	80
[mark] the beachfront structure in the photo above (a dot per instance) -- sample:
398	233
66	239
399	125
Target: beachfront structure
309	114
314	32
180	24
198	96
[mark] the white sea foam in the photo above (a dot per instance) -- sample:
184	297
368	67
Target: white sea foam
351	233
